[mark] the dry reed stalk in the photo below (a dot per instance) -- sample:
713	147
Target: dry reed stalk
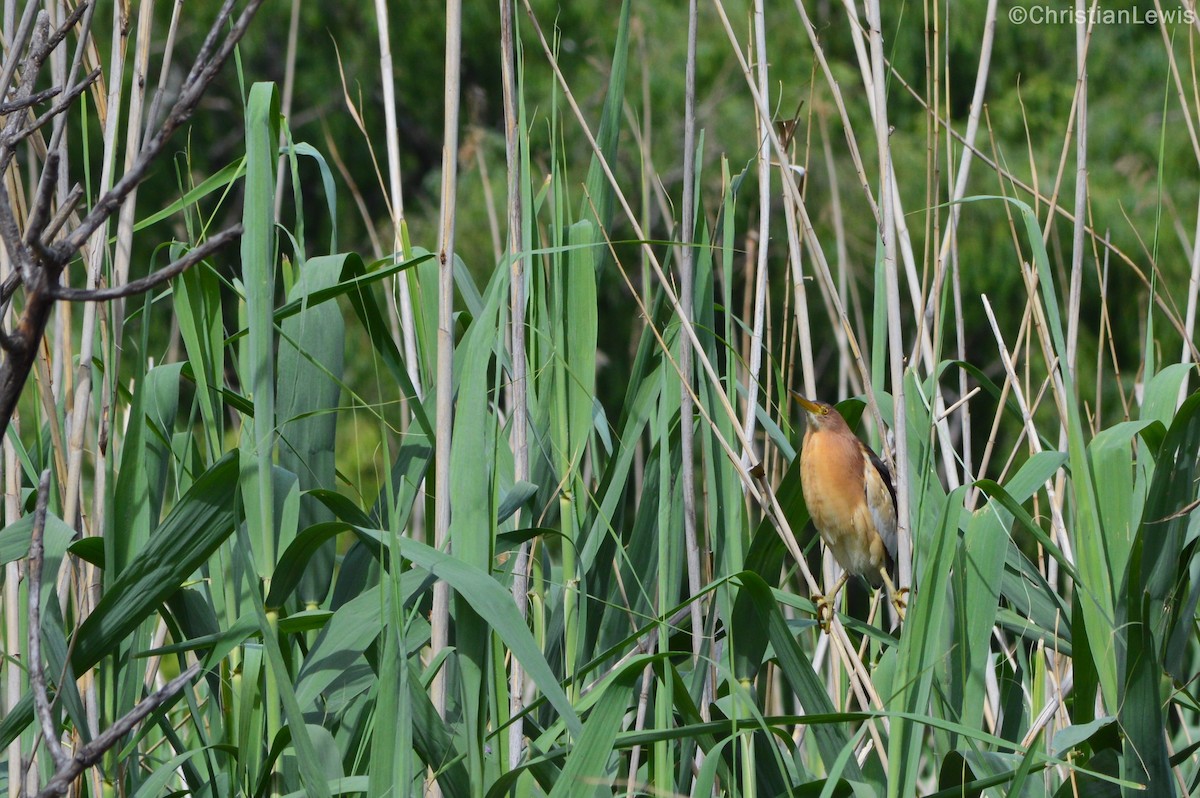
440	615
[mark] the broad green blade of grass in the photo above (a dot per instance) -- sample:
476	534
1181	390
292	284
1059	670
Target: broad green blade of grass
196	526
920	653
473	524
279	689
1096	572
1120	490
308	386
425	312
164	774
56	538
132	494
587	768
495	605
366	306
977	580
600	199
162	409
257	359
797	671
1161	395
221	181
327	184
355	277
196	301
1154	590
581	321
347	635
201	520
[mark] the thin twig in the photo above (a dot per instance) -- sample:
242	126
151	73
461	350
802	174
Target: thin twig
64	103
203	71
41	263
31	100
150	281
37	675
40	211
89	754
65	209
17	47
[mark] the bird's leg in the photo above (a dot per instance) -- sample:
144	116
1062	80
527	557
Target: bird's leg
899	598
825	603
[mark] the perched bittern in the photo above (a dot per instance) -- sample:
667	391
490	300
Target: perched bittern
852	501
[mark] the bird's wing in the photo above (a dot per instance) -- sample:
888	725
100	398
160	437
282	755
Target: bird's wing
883	510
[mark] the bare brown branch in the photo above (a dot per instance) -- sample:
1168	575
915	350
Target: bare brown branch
89	754
202	73
31	100
39	213
151	281
17	46
39	261
63	213
64	104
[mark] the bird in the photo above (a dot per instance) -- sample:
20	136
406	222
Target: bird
852	502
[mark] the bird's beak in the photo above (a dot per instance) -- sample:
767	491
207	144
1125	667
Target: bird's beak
806	404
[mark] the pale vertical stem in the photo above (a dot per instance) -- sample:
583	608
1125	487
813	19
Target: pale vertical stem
164	70
973	115
13	676
847	376
870	74
1193	292
686	304
805	221
1079	232
123	250
440	619
133	144
79	404
639	723
95	251
60	373
62	319
1082	35
1013	381
892	282
873	71
396	198
800	294
285	105
763	126
518	389
6	31
945	252
12	511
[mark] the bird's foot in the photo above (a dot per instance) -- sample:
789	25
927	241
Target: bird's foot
900	601
824	612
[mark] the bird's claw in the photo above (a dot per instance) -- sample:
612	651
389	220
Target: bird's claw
900	601
824	612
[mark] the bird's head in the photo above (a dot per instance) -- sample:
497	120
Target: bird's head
821	415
